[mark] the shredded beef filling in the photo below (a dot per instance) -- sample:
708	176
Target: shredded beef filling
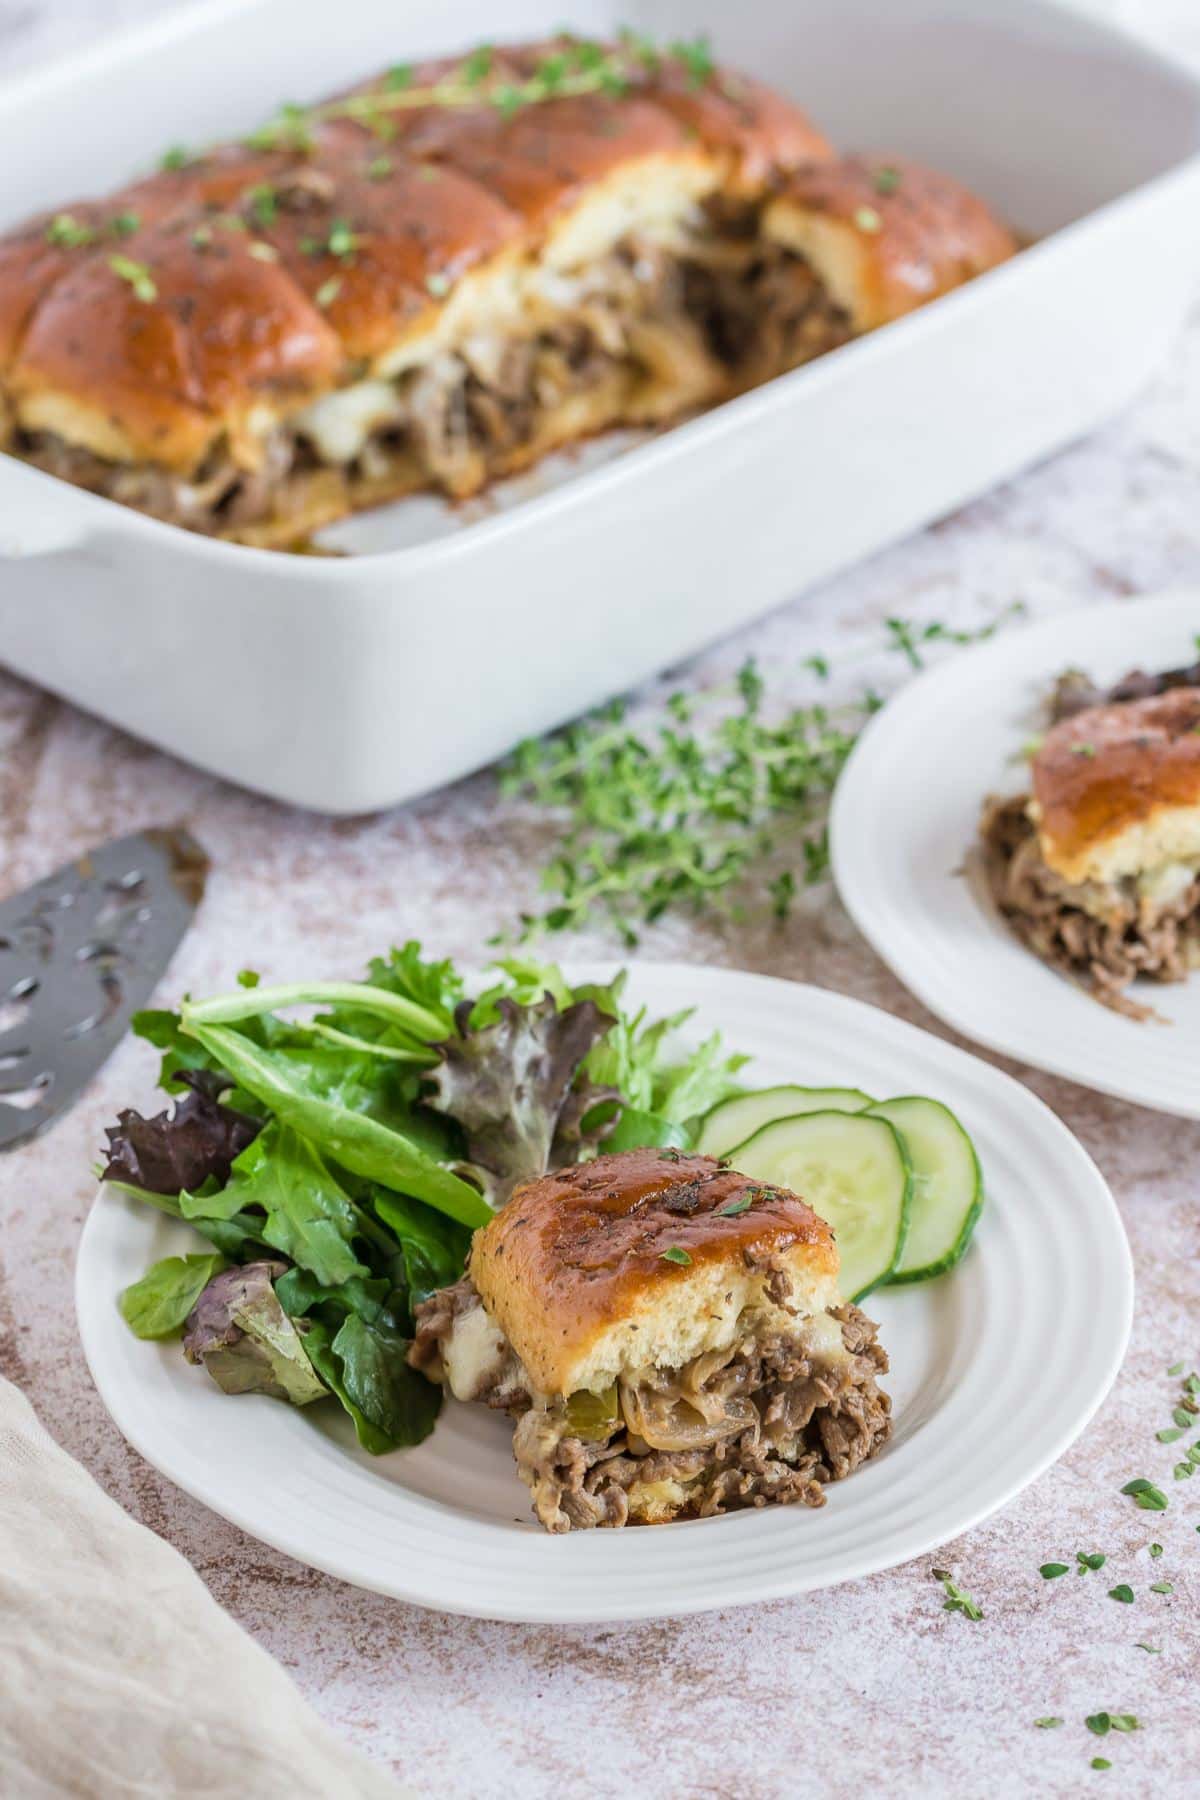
651	330
767	1421
1103	936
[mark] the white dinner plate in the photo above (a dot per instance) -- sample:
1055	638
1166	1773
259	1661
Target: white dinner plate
1047	1284
905	819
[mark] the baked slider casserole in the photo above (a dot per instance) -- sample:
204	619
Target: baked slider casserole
1099	867
436	278
668	1337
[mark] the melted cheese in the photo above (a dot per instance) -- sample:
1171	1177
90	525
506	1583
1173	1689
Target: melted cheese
339	424
1162	887
473	1353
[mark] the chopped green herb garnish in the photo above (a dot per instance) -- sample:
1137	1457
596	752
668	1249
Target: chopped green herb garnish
1090	1559
124	224
1184	1418
65	229
696	57
379	168
579	67
1083	749
1149	1649
1049	1571
1101	1762
343	240
175	158
1122	1592
202	237
1050	1723
478	65
886	180
957	1599
1162	1587
1155	1550
1177	1368
263	202
1124	1722
733	1209
676	1255
137	275
867	219
1169	1434
328	292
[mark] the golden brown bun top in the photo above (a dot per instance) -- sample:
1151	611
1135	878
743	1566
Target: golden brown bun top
257	309
641	1233
538	159
886	234
1117	787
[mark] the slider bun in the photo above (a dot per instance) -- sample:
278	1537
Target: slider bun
573	1272
882	253
1116	789
134	380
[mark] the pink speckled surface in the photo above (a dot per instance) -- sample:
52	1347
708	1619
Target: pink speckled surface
871	1683
898	1690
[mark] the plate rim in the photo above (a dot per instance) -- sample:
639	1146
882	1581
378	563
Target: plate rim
941	1001
784	1580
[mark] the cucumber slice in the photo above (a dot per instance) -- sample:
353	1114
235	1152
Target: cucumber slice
854	1171
947	1185
731	1122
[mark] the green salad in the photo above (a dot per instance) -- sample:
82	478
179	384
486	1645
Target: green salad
336	1163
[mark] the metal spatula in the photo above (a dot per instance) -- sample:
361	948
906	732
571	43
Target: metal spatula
79	953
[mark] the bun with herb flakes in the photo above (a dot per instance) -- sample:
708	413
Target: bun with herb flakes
435	278
885	235
1099	868
669	1338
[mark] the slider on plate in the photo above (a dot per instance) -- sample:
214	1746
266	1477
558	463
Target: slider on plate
1098	869
669	1339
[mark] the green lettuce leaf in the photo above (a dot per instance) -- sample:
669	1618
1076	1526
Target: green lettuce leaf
158	1304
365	1366
309	1216
247	1342
511	1085
434	1247
350	1139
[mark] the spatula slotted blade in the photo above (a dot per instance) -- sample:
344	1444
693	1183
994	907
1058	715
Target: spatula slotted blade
79	953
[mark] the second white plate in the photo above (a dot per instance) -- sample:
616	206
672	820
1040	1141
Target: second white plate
1047	1284
906	816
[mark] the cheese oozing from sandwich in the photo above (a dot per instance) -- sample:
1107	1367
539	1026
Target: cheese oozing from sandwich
669	1338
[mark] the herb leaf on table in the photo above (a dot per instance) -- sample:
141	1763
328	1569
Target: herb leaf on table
715	803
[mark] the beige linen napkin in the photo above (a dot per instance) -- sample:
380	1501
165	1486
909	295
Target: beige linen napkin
119	1673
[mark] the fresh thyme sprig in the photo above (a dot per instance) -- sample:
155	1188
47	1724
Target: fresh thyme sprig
574	67
679	815
710	810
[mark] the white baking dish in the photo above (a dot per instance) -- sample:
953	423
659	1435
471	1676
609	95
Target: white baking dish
349	684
